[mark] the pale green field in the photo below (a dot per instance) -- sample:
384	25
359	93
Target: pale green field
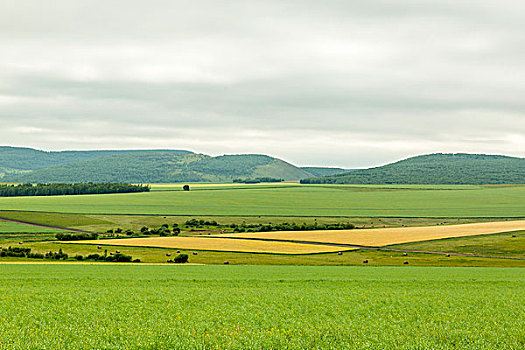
12	227
295	200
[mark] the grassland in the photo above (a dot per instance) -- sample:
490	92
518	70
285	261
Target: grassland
504	244
316	201
215	244
387	236
255	307
13	227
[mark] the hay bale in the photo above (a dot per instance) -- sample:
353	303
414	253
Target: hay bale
168	254
365	261
194	253
405	254
405	263
226	263
339	253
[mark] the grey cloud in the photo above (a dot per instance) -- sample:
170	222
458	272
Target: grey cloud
333	82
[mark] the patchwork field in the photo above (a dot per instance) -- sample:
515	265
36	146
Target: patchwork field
387	236
296	200
260	307
216	244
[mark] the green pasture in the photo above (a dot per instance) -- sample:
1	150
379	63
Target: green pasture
260	307
502	244
296	200
13	227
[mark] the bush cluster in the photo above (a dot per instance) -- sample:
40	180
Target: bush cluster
290	227
179	259
200	223
22	252
257	180
75	236
163	231
118	257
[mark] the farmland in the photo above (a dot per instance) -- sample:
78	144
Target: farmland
296	200
254	307
387	236
264	204
229	245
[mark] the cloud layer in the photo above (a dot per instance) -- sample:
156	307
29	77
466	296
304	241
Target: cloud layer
338	83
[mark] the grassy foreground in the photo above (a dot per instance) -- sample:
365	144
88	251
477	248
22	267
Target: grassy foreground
260	307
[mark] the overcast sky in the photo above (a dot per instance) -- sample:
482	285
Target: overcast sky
336	83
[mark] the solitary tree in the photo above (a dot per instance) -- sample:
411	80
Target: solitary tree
186	187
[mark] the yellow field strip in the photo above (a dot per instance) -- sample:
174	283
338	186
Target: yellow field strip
388	236
216	244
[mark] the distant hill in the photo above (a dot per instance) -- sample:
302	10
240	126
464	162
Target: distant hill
19	158
143	167
324	171
437	168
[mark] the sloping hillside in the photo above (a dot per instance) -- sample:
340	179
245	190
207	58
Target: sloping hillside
324	171
19	158
437	169
155	167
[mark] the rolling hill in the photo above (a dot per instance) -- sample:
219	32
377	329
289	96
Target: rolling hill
140	167
437	168
21	158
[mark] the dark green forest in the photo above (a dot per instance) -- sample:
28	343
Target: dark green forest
438	168
59	189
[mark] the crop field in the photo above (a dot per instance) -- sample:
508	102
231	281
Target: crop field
296	200
218	244
387	236
260	307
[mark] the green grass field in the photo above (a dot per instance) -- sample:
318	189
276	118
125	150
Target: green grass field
329	200
13	227
260	307
504	244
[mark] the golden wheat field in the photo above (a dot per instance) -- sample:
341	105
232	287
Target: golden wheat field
387	236
216	244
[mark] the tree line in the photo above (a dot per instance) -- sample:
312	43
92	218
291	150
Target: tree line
60	189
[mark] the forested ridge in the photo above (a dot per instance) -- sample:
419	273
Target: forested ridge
159	167
437	168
